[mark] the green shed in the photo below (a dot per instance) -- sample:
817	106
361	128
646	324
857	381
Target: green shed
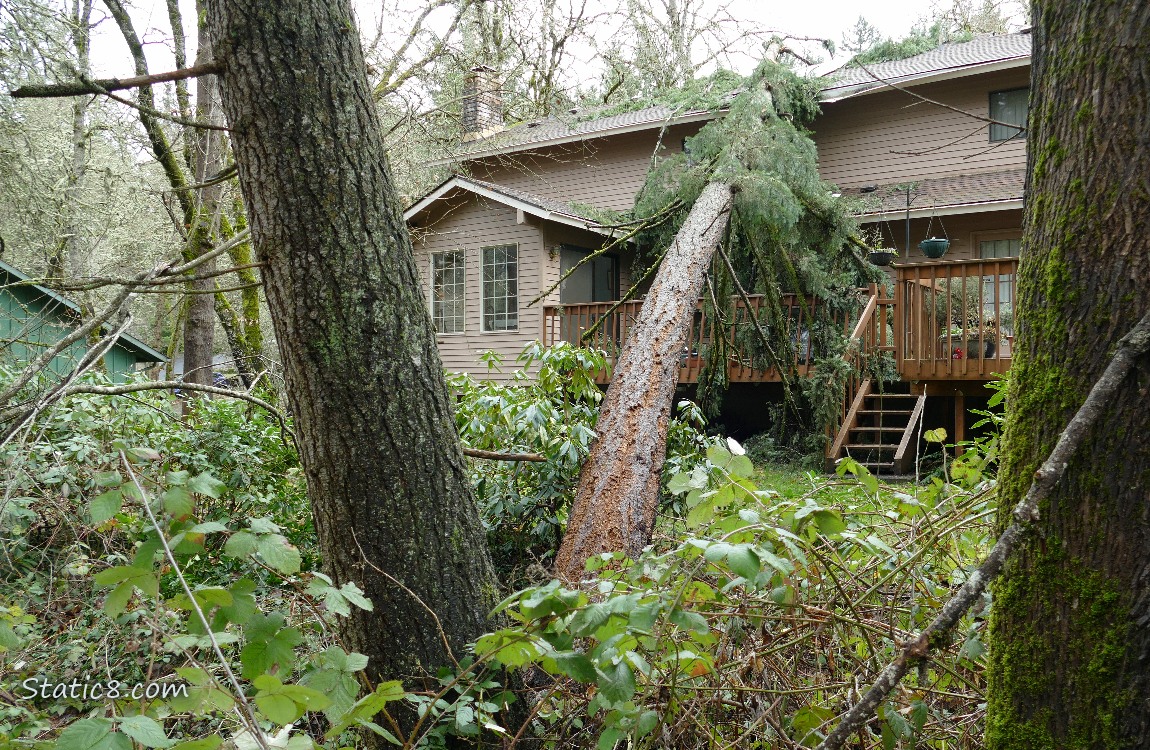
33	318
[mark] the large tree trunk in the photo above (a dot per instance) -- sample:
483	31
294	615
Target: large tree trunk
1070	633
207	160
364	380
618	492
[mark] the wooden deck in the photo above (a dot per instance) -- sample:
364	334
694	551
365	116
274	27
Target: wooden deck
595	325
946	321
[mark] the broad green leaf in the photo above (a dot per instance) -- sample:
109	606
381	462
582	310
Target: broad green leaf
576	666
719	456
465	721
588	619
918	714
279	708
147	731
354	594
609	738
209	527
114	575
617	683
367	707
716	551
243	604
270	645
279	554
263	526
806	723
741	466
118	599
92	734
108	479
689	620
240	544
178	502
206	743
284	704
935	436
8	637
106	505
646	723
743	560
830	522
206	484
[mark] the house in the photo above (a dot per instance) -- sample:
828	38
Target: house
33	318
533	199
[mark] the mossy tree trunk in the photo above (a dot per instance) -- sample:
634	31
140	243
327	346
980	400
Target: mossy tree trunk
364	380
1070	633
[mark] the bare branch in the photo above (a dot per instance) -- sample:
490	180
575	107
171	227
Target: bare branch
1133	345
104	85
496	456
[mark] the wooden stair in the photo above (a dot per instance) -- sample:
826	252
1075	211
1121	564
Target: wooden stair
879	431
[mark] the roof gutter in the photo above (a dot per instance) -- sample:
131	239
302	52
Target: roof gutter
838	93
955	209
574	137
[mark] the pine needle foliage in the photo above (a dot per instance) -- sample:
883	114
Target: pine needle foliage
787	235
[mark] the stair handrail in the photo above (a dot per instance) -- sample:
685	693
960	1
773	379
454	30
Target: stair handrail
899	459
856	386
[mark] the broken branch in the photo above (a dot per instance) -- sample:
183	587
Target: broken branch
1133	345
104	85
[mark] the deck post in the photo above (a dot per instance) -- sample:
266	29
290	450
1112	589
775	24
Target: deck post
959	422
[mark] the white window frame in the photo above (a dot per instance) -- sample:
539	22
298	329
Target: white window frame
998	132
483	290
462	284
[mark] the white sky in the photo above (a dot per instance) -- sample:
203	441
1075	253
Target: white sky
817	18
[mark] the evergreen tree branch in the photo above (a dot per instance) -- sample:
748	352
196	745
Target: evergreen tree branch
1133	346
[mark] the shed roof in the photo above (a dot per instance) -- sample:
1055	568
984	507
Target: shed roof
133	344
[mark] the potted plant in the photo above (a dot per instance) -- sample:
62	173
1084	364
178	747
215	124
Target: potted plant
882	256
934	247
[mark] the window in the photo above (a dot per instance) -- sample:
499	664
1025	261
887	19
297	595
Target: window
500	288
998	291
1004	248
596	280
447	291
1008	106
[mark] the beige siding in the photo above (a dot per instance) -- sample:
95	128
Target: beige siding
859	139
600	172
470	224
963	230
559	234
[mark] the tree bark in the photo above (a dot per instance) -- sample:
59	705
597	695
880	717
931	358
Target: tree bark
363	375
618	492
1070	633
207	160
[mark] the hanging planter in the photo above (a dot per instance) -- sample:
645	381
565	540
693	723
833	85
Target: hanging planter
934	247
882	257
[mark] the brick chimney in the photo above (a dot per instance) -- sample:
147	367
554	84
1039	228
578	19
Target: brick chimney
482	104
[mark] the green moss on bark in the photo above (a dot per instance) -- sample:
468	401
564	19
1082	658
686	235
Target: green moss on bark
1093	631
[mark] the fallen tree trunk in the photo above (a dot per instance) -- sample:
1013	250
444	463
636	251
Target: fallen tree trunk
618	491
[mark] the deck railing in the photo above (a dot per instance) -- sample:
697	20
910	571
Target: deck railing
949	320
570	322
955	319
